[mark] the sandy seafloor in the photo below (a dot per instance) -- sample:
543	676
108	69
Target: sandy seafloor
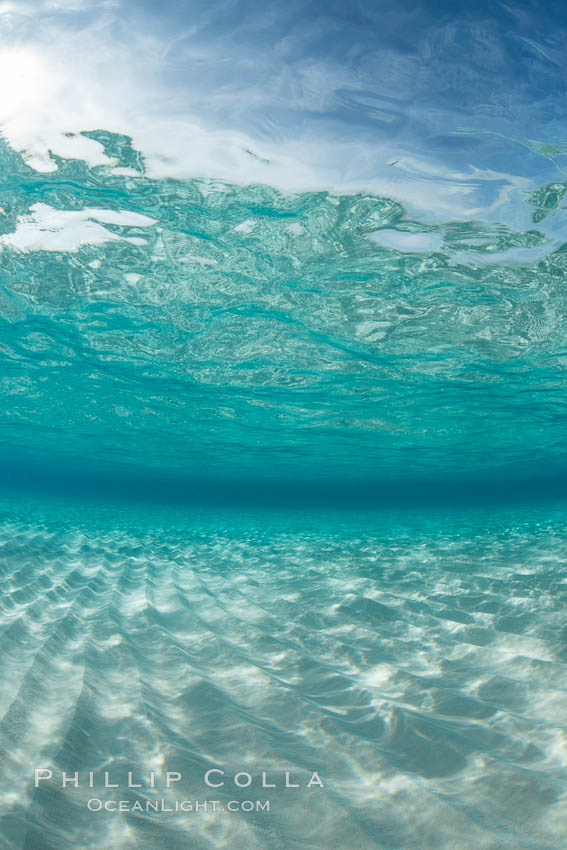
415	660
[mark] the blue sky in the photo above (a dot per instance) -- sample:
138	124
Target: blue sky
469	99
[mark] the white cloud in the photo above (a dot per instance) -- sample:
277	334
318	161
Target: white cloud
48	229
116	73
400	240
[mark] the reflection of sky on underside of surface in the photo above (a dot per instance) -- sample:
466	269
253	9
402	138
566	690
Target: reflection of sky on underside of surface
467	101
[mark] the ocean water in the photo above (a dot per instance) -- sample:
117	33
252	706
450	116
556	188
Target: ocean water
280	497
282	425
202	330
414	659
275	499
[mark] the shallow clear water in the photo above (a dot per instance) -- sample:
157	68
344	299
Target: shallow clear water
414	659
282	425
200	329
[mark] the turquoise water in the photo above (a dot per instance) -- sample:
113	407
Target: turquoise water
282	425
414	659
191	330
281	491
